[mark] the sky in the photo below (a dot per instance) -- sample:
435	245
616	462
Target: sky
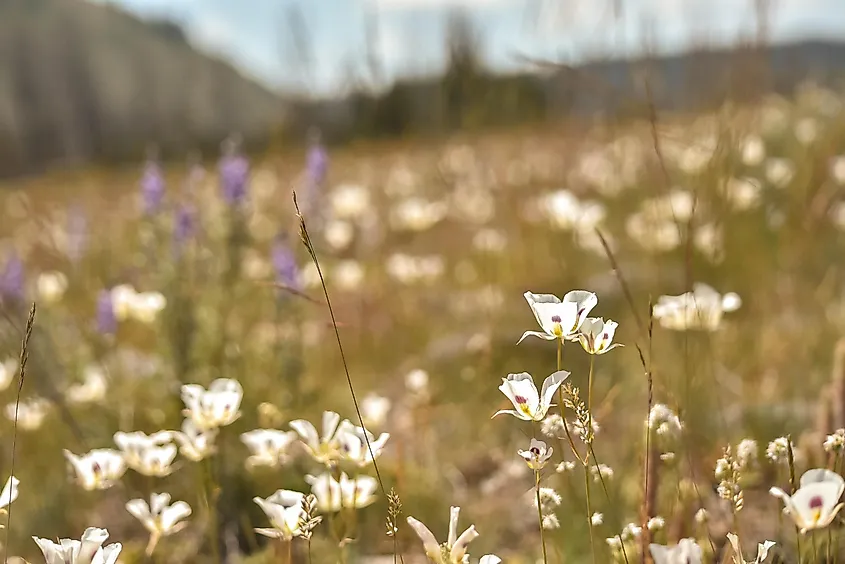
323	46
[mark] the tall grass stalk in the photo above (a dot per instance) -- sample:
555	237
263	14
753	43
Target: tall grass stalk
22	360
306	240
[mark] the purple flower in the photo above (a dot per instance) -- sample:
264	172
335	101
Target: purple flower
316	164
183	225
234	177
152	187
106	320
12	279
284	263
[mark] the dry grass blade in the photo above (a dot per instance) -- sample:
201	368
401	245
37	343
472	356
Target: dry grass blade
24	357
626	290
306	240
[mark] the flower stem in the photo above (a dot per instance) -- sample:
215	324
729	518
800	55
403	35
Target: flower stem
211	500
815	547
540	515
588	432
589	511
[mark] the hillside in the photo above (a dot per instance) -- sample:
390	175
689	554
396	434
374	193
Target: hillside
79	80
467	97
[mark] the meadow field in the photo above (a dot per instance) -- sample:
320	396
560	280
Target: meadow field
185	303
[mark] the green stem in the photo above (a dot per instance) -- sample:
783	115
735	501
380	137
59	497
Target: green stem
815	548
589	511
540	515
589	430
211	500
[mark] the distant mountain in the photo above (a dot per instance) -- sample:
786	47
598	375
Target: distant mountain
81	81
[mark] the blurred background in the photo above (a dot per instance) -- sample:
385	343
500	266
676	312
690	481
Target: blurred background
447	155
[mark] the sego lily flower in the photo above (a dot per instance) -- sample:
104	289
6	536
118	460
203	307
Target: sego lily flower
814	504
217	406
99	469
89	550
537	455
762	551
559	319
284	510
194	443
528	403
8	495
490	559
268	447
333	495
454	550
323	448
149	455
160	517
700	309
354	443
597	334
686	551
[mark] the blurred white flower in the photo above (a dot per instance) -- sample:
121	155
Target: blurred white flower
779	171
806	131
762	550
284	510
695	158
92	389
701	516
596	335
746	453
374	410
417	214
160	517
815	503
677	206
268	447
409	269
537	455
565	466
778	450
709	241
686	551
553	426
837	169
664	421
346	493
529	404
98	469
454	550
338	234
51	286
753	150
349	201
217	406
559	319
8	371
490	240
601	472
150	455
655	524
597	519
348	274
651	235
614	543
194	443
700	309
9	494
324	448
30	413
835	442
140	306
742	193
490	559
89	550
416	381
631	531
